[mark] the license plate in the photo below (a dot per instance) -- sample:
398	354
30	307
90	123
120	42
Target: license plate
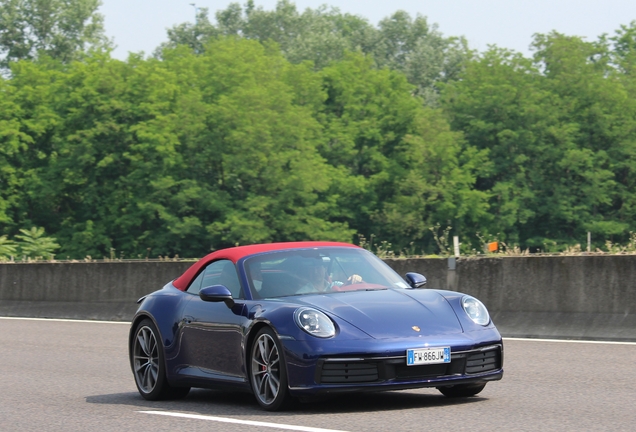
428	356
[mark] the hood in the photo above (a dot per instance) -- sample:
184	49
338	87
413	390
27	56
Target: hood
391	313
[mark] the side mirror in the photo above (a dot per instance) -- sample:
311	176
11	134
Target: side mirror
415	280
217	293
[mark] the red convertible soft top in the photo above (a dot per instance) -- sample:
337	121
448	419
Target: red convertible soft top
236	253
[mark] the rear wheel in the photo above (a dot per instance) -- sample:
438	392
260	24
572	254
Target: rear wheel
149	366
268	373
462	390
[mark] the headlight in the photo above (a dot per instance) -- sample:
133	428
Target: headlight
314	322
475	310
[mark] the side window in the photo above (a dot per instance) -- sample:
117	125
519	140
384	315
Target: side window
195	286
221	272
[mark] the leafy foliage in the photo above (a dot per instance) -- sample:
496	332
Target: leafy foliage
61	29
231	146
325	35
8	248
31	244
279	125
558	136
34	244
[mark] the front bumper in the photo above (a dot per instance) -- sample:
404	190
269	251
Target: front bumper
373	372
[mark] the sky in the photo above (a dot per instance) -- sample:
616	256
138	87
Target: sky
140	25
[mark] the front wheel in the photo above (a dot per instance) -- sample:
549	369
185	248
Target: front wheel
268	374
149	366
462	390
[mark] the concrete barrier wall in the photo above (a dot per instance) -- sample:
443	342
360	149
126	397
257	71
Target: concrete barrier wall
95	290
594	284
583	297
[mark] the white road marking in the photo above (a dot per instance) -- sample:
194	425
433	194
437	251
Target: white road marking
568	341
65	320
243	422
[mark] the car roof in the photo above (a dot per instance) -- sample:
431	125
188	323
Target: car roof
236	253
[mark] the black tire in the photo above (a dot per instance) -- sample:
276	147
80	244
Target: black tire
268	373
149	367
462	390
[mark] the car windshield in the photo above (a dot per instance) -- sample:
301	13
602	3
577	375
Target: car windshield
318	270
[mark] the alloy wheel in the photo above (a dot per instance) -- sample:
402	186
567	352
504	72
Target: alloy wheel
266	372
146	359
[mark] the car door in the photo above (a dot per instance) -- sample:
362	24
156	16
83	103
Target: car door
212	333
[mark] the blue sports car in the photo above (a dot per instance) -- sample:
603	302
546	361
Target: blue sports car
298	320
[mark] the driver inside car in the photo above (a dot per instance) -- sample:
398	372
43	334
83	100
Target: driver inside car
319	280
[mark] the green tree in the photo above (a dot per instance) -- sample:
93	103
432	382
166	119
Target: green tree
595	102
194	35
33	244
559	134
322	35
12	144
8	248
178	155
325	35
623	48
256	146
61	29
418	49
434	185
501	109
623	59
400	168
26	143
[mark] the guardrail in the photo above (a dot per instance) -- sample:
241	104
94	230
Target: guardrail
580	297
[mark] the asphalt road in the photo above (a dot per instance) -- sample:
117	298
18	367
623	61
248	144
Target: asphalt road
74	376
